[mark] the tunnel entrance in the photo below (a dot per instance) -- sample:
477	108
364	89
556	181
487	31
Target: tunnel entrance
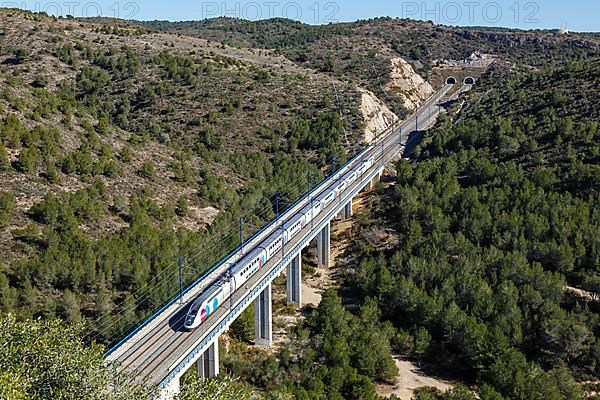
451	80
469	80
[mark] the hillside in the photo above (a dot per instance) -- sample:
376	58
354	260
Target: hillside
125	144
483	252
122	148
416	41
362	51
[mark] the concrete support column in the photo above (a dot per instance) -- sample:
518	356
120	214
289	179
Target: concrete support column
376	179
208	363
263	318
348	212
324	246
294	281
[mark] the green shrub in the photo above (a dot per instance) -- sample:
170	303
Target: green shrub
7	207
4	161
51	173
28	160
79	162
182	208
126	155
12	130
147	171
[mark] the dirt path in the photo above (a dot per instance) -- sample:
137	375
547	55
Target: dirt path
409	378
584	294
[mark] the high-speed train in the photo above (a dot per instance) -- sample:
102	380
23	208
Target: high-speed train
248	265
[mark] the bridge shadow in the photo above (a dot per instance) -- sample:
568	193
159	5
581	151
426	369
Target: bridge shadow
178	319
448	103
414	138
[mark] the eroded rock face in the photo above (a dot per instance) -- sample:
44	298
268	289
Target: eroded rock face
407	84
377	115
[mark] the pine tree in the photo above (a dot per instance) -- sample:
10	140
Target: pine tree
4	161
7	206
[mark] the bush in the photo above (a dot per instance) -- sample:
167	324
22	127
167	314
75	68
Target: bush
182	207
111	169
79	162
209	139
147	171
242	328
126	155
7	206
21	55
49	360
12	130
52	173
28	160
4	161
68	308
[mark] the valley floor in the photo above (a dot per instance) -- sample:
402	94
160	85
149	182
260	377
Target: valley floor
410	376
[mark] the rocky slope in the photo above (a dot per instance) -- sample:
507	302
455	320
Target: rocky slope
410	87
377	115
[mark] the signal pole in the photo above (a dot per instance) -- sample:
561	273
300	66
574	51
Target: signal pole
400	137
180	262
277	207
417	120
242	235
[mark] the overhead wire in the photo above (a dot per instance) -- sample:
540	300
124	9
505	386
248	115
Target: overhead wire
176	322
141	297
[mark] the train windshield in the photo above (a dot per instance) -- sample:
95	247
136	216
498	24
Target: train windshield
195	307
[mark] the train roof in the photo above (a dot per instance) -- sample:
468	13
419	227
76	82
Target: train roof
208	293
296	217
273	237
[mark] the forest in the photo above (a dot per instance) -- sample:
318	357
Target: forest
494	277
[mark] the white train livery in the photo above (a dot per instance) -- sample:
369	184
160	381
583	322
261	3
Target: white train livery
248	265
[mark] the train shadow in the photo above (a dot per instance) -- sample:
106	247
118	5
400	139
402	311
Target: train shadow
177	321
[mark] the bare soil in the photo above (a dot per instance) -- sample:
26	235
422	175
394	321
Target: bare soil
409	378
